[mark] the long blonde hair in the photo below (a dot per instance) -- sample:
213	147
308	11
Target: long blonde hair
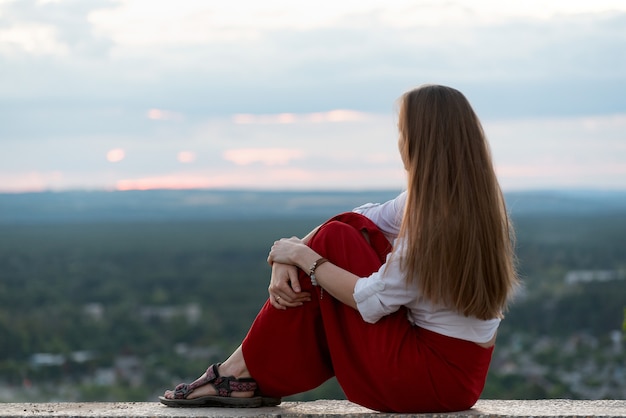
458	237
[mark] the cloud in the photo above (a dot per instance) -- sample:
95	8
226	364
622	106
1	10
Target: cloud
339	115
587	152
215	153
64	24
528	153
31	38
115	155
186	157
144	23
160	114
265	156
360	57
312	86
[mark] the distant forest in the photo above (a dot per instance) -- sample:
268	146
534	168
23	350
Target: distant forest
121	308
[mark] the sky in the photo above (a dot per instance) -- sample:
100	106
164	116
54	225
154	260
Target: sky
289	95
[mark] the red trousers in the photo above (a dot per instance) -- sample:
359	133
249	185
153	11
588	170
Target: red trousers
389	366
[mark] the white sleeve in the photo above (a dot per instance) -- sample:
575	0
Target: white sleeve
387	216
384	292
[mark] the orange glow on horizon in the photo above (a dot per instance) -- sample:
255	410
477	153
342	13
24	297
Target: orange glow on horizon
166	182
30	182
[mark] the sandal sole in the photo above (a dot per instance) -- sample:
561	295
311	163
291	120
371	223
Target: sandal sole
214	401
267	401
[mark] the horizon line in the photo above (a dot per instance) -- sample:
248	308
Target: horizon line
555	189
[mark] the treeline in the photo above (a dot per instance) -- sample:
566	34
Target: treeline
548	248
49	274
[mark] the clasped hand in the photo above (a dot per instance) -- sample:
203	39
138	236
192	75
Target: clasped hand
284	288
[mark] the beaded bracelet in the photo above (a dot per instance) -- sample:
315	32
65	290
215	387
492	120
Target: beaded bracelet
315	265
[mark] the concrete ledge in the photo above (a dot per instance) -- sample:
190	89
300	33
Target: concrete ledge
322	408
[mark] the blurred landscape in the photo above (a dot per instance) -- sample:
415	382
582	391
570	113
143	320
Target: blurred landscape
119	295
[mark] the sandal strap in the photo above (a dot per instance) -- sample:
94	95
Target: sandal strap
224	385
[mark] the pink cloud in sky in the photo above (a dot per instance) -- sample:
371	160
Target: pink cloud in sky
116	155
338	115
186	157
266	156
541	153
160	114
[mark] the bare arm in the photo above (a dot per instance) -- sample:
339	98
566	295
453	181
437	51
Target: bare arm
308	236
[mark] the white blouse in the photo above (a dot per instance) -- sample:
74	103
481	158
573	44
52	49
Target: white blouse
385	291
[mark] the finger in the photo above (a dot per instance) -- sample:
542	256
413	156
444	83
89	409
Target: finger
295	282
302	298
293	304
287	294
290	298
275	301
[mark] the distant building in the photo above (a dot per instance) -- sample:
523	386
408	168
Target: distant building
47	359
94	311
52	359
191	312
129	368
586	276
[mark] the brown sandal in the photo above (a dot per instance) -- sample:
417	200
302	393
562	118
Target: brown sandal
225	386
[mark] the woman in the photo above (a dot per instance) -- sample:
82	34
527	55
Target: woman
400	301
